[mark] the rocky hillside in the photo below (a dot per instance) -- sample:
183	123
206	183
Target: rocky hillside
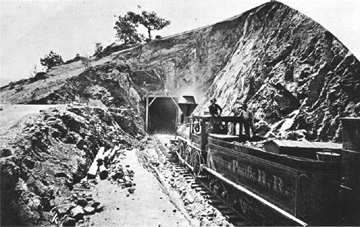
43	157
295	75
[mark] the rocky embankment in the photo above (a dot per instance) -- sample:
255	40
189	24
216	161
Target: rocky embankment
295	75
45	156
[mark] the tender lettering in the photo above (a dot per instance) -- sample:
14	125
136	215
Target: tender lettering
258	176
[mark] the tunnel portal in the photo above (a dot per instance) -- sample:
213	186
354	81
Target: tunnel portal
161	115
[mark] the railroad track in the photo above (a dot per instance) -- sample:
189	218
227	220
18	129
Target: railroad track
201	185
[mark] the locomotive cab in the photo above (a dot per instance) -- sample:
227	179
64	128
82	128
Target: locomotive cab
229	129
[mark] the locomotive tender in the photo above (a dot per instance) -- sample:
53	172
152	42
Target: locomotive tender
271	188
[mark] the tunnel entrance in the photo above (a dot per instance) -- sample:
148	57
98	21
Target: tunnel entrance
161	114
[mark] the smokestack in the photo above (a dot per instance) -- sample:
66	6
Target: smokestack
187	105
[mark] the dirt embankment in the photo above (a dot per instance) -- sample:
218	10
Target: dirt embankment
44	155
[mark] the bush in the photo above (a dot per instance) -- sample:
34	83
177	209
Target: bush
98	49
51	60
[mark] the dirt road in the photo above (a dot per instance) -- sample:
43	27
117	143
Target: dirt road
147	206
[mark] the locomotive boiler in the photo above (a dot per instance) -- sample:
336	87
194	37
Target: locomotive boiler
285	183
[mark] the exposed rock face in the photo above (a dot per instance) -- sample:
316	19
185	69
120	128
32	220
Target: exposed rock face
50	153
287	66
280	62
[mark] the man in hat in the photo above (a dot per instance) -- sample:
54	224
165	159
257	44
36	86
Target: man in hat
235	111
214	109
248	120
215	112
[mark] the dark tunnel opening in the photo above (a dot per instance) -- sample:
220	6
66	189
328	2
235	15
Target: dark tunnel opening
162	115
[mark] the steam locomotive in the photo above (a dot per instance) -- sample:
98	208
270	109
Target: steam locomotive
284	183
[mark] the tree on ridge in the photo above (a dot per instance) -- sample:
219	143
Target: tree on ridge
152	22
126	26
126	30
51	60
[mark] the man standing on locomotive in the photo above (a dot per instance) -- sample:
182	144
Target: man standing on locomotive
248	120
215	112
235	111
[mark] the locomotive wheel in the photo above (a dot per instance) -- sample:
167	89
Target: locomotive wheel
269	218
230	195
187	155
182	150
196	162
211	183
209	162
244	204
217	188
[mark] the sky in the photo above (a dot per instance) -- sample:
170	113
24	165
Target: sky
30	29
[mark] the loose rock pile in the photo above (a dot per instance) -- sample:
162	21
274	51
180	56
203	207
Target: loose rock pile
196	205
79	205
123	177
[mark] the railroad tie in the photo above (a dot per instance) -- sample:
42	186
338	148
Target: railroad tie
233	217
205	193
200	188
240	222
195	185
223	206
181	171
227	211
216	202
211	196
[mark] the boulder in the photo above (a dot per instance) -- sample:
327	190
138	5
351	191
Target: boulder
95	204
89	210
99	208
131	190
118	175
77	212
5	152
82	202
69	221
